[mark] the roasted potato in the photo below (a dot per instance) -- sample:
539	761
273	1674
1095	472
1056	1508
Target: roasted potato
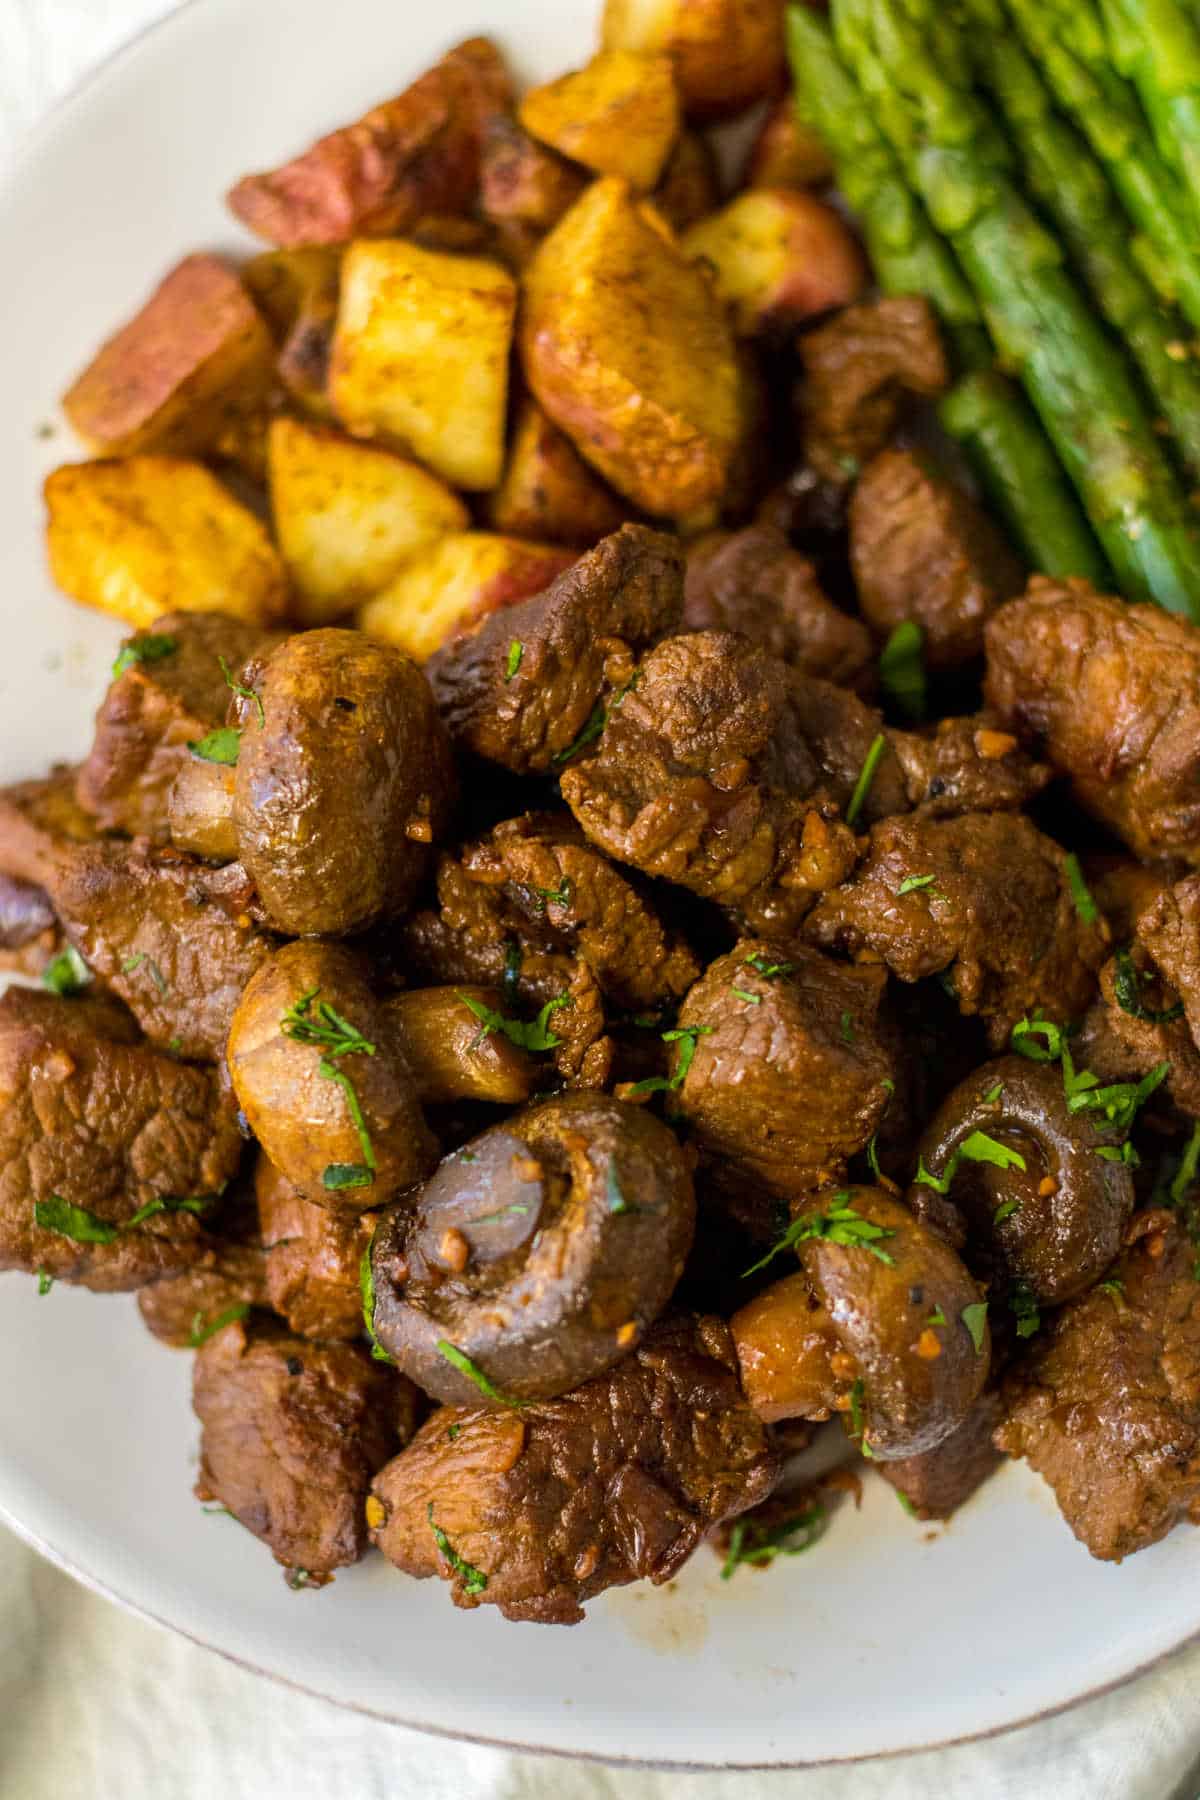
690	188
779	257
619	116
548	491
196	357
421	354
626	347
787	153
156	534
521	182
452	586
348	515
414	155
297	292
727	53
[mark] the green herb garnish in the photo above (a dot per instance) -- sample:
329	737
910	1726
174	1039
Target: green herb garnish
1126	986
902	672
366	1287
687	1037
847	1028
313	1021
978	1147
66	973
1186	1173
936	1317
133	963
906	1503
148	647
1085	906
598	719
45	1282
84	1227
338	1176
534	1034
759	1544
246	693
559	896
974	1317
516	651
862	786
1116	1291
770	971
858	1395
202	1330
458	1359
993	1094
744	994
911	883
1005	1210
1024	1308
220	746
840	1225
1025	1040
474	1580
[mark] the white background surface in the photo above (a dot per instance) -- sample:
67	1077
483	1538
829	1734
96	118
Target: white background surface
94	1704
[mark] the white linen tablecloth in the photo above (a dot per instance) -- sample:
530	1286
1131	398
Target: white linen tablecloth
95	1705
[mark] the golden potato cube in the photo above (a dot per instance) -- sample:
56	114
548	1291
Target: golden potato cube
728	54
348	515
159	534
619	116
297	293
448	591
548	490
420	356
627	348
196	357
779	256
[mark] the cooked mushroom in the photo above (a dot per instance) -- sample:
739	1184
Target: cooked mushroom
884	1324
537	1256
1043	1192
343	779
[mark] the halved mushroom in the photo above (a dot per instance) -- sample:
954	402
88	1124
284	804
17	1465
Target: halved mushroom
1043	1193
884	1324
538	1255
343	779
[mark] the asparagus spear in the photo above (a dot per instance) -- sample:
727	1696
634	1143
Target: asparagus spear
1156	44
1073	191
1078	379
1066	39
987	412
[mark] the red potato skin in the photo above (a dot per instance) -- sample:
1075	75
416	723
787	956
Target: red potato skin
414	155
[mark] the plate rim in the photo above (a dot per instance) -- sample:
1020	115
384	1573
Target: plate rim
24	150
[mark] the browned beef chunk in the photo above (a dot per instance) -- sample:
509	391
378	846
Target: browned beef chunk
1120	1044
938	1481
922	550
476	935
862	368
1169	931
547	1507
984	897
173	937
313	1259
1123	889
578	643
184	1310
752	581
291	1434
91	1119
965	765
1106	1405
153	708
37	820
703	778
788	1065
1111	695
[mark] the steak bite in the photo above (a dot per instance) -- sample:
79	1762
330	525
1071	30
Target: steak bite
862	369
965	765
1110	695
170	689
291	1433
1168	931
228	1278
1106	1403
784	1064
527	685
753	582
313	1259
97	1131
540	1253
540	1510
922	550
703	778
1136	1023
984	898
172	936
39	821
935	1483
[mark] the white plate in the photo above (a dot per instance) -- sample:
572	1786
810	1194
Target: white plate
888	1636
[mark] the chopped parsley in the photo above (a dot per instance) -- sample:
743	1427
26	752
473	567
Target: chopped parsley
314	1021
617	1203
858	1395
906	1503
1186	1173
847	1028
1025	1040
745	994
45	1282
458	1359
1024	1308
974	1317
1085	906
770	971
339	1176
516	651
759	1544
936	1317
599	718
534	1034
220	746
978	1147
840	1225
474	1580
66	973
366	1287
84	1227
911	883
297	1579
902	672
147	647
1005	1210
246	693
1126	987
559	896
862	786
203	1329
133	963
1116	1291
993	1094
1119	1102
687	1037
